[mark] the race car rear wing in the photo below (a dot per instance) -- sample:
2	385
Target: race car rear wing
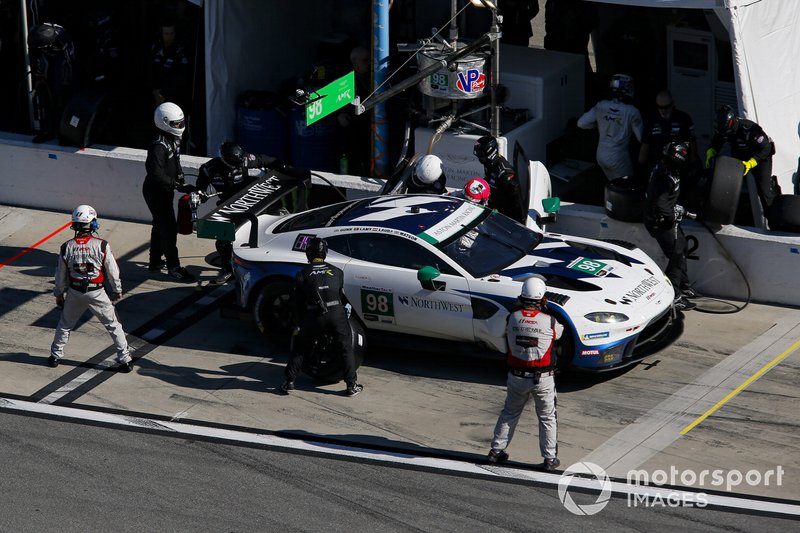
270	192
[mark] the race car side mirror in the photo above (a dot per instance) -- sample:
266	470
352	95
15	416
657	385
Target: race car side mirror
551	207
427	279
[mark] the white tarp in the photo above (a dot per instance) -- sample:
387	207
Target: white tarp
765	38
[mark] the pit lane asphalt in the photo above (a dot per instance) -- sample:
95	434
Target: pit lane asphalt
194	365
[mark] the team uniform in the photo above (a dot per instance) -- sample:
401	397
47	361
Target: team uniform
530	342
84	264
319	307
616	121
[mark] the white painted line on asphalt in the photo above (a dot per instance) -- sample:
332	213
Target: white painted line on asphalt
78	381
242	437
662	425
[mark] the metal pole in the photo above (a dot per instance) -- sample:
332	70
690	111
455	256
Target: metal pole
495	125
380	57
26	58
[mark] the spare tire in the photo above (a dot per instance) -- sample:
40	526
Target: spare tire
624	202
784	215
325	363
726	187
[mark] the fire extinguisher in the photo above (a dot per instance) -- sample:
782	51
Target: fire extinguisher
185	222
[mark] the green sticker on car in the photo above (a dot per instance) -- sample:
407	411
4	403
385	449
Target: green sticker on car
377	305
590	266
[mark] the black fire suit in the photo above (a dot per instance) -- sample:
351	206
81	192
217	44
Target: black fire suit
661	222
227	182
505	193
164	176
747	142
319	308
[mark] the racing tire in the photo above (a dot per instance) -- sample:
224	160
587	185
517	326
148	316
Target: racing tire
326	365
624	203
723	195
272	311
784	214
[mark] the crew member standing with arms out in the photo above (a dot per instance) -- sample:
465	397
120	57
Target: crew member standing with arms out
84	264
530	334
498	172
228	174
319	307
662	219
164	177
750	144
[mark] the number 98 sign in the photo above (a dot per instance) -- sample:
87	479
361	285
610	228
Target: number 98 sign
313	110
377	302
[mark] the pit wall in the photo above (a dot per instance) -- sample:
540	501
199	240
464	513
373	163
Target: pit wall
58	178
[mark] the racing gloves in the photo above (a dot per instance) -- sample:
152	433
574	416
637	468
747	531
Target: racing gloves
749	165
710	155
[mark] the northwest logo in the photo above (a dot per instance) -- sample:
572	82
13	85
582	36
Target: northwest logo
471	80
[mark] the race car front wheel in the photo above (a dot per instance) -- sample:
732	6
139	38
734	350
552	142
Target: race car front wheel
273	311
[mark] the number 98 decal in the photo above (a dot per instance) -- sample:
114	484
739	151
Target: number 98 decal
377	305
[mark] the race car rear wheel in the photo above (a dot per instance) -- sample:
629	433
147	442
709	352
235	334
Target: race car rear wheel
273	310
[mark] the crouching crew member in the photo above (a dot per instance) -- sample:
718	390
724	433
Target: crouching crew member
319	308
228	174
84	264
530	334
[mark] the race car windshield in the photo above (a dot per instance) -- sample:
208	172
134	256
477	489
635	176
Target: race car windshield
491	245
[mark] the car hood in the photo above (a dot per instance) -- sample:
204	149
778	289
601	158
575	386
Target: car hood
581	270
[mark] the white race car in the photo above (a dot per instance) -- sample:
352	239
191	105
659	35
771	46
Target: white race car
438	266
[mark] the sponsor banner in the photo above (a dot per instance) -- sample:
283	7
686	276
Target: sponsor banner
462	217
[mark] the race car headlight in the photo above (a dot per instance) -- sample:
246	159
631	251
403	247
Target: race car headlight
605	317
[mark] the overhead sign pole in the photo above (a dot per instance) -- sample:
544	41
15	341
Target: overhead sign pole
332	97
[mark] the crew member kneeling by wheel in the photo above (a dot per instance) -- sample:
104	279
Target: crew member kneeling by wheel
530	334
319	308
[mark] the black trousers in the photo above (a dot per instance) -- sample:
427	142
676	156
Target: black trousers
164	233
314	325
673	243
766	184
225	251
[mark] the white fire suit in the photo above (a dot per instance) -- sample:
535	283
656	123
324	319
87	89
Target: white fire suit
616	122
530	334
84	263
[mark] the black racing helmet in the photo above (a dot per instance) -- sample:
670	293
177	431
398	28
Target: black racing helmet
317	249
676	154
486	149
47	38
725	121
231	154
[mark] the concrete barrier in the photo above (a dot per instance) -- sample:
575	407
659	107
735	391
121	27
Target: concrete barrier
51	177
769	261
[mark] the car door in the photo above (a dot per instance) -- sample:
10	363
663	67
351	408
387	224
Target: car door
381	283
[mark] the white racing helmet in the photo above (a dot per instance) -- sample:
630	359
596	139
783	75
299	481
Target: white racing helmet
427	170
169	118
533	290
84	217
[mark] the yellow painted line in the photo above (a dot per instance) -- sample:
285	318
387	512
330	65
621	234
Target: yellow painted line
741	387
